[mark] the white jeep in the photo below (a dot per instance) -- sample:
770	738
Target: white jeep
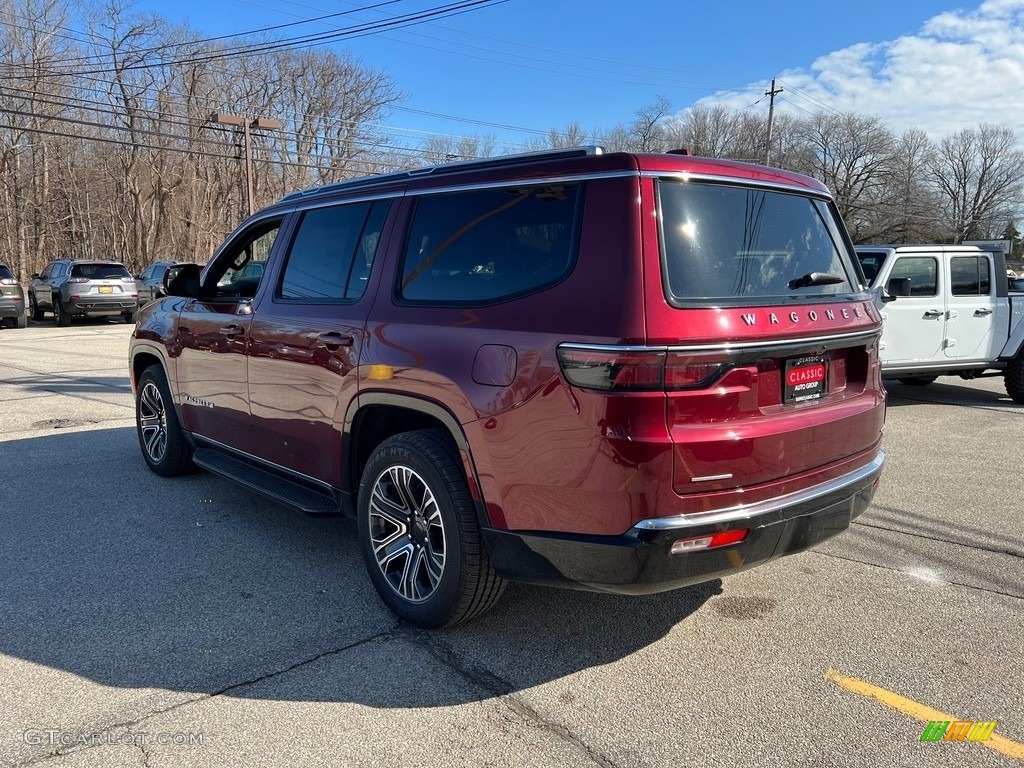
947	310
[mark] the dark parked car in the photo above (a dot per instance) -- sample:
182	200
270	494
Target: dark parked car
618	372
83	288
151	280
12	299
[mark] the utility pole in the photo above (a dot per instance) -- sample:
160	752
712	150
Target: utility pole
265	123
771	120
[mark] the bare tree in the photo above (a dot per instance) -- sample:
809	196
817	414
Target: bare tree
648	129
977	174
852	155
911	201
437	150
32	105
706	131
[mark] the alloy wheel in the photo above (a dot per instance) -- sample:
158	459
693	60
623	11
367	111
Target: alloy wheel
153	421
407	533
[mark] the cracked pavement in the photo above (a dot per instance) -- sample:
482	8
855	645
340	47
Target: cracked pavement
188	622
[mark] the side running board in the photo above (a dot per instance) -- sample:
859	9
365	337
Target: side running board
309	500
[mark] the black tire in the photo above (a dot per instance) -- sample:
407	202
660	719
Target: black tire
21	321
161	438
60	315
918	381
1013	378
432	570
37	313
130	316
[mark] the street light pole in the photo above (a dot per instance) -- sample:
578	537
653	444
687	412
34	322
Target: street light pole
266	123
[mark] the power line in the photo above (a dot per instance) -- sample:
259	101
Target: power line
374	164
806	97
298	42
217	38
671	75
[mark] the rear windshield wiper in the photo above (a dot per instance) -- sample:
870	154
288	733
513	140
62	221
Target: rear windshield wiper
815	278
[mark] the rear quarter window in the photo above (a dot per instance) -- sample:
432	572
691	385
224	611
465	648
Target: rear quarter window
740	244
483	246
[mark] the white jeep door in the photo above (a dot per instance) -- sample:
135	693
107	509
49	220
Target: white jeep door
971	308
914	326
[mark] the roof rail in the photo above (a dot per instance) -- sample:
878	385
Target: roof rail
499	161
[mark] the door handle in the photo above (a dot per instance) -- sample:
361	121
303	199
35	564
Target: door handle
982	312
332	340
232	330
934	313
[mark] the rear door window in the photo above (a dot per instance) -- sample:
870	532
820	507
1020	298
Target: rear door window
332	253
970	276
723	243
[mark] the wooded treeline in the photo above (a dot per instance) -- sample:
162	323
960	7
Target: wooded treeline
107	149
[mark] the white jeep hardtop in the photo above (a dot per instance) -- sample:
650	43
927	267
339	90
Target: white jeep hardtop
947	310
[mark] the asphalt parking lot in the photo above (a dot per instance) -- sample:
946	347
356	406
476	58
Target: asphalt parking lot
187	622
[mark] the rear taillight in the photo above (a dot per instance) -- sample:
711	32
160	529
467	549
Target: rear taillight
8	281
625	369
612	369
78	279
128	279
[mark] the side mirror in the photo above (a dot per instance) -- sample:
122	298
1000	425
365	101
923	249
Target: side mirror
897	287
181	280
35	275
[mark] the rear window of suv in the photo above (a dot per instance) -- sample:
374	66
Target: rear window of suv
99	271
5	273
722	242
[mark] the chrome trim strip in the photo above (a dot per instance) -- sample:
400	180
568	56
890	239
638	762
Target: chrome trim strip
725	346
337	201
302	196
749	511
737	181
709	478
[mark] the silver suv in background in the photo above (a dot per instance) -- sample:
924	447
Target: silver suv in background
84	288
12	298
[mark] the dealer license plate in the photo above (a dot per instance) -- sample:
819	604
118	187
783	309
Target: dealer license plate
804	378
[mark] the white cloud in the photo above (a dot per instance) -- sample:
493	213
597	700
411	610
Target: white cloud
962	68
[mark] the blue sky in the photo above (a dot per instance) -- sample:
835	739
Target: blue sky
539	64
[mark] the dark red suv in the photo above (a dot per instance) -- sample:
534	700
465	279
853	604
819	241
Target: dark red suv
616	372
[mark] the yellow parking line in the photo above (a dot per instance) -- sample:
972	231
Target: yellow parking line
919	711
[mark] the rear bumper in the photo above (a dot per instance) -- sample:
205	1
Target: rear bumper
96	305
10	308
640	561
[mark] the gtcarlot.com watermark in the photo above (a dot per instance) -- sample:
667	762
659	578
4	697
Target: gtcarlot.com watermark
54	737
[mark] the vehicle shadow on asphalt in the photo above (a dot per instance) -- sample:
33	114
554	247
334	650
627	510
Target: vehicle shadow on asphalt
192	584
71	385
941	393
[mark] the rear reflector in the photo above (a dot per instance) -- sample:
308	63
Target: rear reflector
622	369
715	540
